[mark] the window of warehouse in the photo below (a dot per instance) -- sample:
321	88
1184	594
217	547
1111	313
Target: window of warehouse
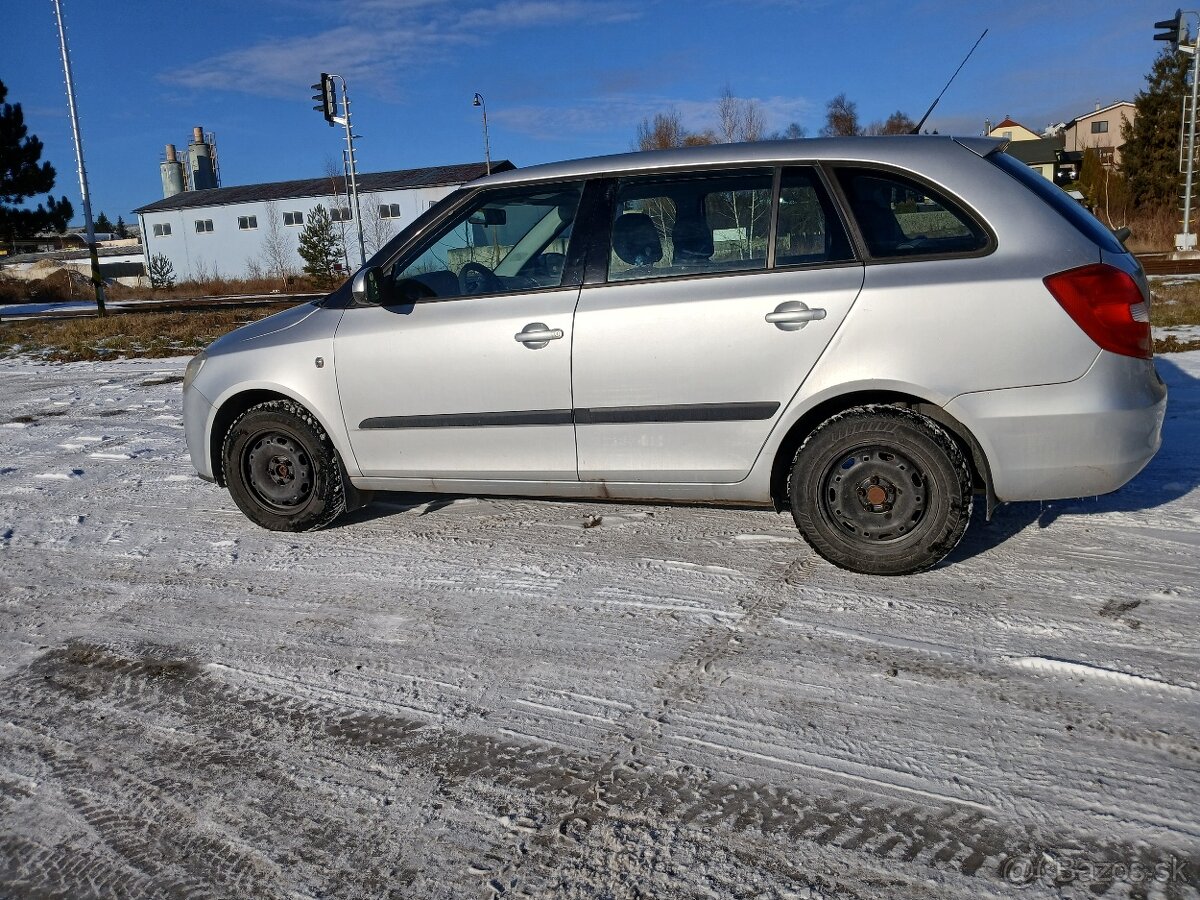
247	223
203	225
389	211
163	230
293	218
340	214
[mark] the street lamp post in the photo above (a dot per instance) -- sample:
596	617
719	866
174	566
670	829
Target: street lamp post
97	281
487	146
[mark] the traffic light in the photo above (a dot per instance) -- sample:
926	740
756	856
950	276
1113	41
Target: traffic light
327	97
1175	32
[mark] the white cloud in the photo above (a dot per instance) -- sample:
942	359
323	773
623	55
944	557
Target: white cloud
623	112
383	39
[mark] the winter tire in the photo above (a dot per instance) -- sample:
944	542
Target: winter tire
281	468
881	490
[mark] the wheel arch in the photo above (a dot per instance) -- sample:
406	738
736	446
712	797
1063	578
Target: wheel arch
981	472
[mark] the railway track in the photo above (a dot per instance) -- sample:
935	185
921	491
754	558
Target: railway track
198	304
1163	264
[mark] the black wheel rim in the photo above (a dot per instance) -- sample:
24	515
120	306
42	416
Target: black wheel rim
875	494
278	470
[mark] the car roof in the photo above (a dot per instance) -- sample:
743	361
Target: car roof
902	150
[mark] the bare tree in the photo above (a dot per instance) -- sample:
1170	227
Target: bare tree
666	130
897	123
841	118
277	248
794	132
339	194
738	119
377	229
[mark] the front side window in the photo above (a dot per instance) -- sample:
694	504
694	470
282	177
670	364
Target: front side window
1100	127
900	218
247	223
340	214
389	211
809	232
666	228
203	225
504	241
162	230
293	218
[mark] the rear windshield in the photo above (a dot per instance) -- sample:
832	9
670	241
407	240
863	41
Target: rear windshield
1087	224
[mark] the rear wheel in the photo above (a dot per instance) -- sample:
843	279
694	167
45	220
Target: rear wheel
282	470
881	490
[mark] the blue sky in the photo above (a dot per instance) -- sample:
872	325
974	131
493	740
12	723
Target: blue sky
561	79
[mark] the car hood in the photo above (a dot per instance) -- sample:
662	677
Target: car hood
280	321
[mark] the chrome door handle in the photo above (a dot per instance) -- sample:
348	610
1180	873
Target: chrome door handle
536	335
793	315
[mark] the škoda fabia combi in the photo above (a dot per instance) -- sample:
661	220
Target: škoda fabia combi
868	331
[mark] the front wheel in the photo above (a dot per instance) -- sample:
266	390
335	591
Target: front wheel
282	470
881	490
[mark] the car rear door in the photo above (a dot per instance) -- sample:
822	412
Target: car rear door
710	315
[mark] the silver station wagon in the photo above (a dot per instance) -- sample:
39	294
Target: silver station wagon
866	331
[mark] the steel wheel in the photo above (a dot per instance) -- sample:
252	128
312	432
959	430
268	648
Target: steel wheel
881	490
282	469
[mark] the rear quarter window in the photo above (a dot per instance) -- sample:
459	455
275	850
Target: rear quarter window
1087	224
899	217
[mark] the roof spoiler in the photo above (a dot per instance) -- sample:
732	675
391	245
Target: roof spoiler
983	146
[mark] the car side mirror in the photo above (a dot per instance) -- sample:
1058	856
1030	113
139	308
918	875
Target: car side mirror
1123	233
368	286
488	216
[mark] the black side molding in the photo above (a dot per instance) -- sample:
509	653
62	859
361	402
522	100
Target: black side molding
605	415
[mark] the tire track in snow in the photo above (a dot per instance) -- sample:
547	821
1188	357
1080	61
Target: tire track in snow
595	789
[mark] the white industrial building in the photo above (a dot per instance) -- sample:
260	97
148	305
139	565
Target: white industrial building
235	231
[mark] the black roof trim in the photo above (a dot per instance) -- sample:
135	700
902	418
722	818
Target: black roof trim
368	182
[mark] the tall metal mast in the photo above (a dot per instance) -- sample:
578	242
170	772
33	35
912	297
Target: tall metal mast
97	281
344	119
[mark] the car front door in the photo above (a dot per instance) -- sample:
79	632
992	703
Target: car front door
709	320
464	370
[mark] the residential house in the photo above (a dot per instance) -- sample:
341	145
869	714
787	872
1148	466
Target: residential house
1101	129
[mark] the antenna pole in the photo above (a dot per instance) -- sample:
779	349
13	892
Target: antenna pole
929	111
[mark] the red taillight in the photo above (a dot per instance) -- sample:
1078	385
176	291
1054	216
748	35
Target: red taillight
1108	305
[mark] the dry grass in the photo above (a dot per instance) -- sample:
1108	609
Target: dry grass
128	334
66	285
1153	230
1175	304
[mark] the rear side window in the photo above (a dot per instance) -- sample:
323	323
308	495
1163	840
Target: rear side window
1087	224
690	226
810	232
899	217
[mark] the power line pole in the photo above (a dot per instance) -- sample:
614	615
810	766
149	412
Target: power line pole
97	281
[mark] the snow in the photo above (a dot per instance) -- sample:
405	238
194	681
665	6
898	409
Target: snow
496	697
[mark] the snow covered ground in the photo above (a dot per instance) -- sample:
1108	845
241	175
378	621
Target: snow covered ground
478	698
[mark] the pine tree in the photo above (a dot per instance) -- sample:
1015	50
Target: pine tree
161	272
318	248
1150	155
103	224
122	230
22	178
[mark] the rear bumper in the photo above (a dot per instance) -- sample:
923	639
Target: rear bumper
1079	439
